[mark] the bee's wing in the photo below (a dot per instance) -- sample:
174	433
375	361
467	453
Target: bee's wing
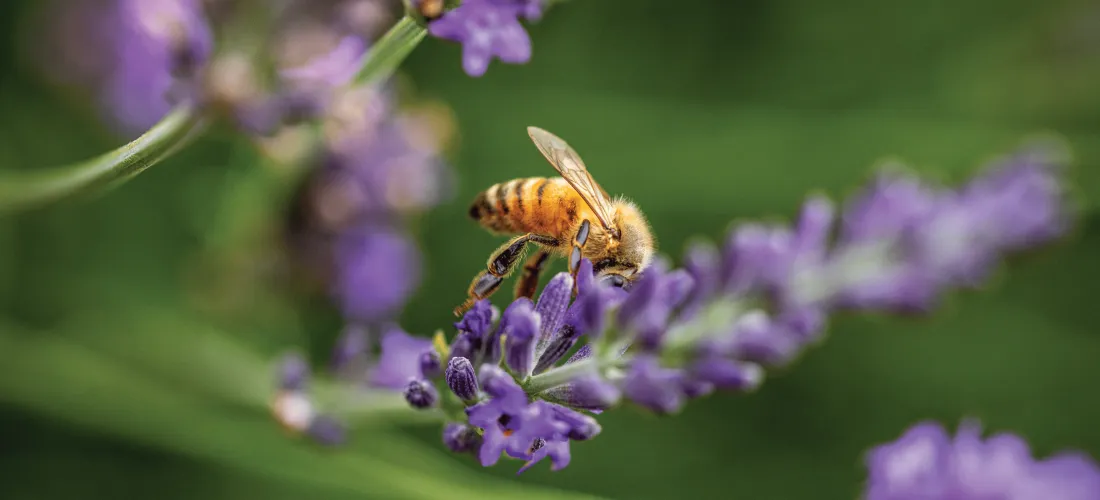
568	163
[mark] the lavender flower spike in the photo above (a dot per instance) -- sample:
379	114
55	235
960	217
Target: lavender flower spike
926	463
487	29
378	270
759	302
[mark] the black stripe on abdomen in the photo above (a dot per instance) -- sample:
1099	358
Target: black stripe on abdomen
541	190
480	207
517	191
501	194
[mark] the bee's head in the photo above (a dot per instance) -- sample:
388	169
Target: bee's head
632	249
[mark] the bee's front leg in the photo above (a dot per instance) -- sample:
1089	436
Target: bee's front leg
578	246
500	266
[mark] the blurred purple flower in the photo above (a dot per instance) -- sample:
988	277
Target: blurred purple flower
159	45
461	438
925	463
400	360
293	372
377	269
487	29
331	70
392	162
294	409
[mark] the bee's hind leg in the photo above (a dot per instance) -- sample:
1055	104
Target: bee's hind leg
500	266
529	282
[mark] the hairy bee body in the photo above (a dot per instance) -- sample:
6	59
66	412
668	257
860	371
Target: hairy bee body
549	206
540	205
570	216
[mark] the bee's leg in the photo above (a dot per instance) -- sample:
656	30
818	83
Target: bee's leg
529	282
501	264
578	245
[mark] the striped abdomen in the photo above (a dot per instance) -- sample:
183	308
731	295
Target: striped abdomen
540	205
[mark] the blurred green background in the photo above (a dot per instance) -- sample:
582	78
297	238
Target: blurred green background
134	337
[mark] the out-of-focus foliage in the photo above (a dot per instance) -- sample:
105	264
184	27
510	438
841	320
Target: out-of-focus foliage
135	332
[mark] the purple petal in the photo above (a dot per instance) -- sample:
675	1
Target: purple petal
399	360
522	328
551	308
652	386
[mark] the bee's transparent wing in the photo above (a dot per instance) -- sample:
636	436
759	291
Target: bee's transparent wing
568	163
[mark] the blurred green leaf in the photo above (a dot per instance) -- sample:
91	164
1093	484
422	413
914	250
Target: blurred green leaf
52	376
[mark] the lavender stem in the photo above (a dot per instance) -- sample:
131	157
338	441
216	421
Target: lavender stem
30	189
565	373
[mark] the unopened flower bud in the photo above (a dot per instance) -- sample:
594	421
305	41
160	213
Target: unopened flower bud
461	379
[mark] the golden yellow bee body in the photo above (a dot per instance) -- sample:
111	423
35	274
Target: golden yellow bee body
538	205
570	216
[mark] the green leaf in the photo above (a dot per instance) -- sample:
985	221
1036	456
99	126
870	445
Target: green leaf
52	376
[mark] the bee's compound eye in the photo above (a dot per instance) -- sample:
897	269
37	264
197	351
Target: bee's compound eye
615	280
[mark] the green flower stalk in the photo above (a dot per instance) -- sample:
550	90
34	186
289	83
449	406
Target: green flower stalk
30	189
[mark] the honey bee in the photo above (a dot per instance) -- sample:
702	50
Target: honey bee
569	216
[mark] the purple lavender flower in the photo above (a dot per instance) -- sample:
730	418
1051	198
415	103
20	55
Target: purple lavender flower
519	428
378	268
431	364
936	238
519	338
653	386
351	347
293	372
551	309
400	359
294	409
557	450
149	52
588	392
488	28
421	394
331	70
327	431
461	379
461	438
716	325
926	463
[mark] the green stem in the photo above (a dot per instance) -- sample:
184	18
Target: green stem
389	51
563	374
27	190
369	411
